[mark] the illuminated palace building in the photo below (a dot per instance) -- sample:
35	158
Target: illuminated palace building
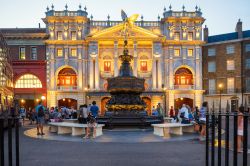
82	53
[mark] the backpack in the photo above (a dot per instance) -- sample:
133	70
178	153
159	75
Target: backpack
182	115
40	112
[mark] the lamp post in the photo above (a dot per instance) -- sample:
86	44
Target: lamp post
220	91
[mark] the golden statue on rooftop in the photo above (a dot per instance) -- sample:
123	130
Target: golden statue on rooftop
128	22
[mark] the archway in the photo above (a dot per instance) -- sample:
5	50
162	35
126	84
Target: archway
67	102
180	101
103	104
183	76
147	100
67	77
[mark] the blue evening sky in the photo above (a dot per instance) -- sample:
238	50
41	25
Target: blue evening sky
221	15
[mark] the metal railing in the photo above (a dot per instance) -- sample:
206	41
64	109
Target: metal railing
114	23
67	88
213	122
184	87
9	122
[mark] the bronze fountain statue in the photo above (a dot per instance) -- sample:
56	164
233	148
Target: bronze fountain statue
126	106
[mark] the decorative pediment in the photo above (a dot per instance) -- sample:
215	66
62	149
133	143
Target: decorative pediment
115	32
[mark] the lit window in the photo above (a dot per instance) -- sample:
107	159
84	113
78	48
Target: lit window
211	67
211	52
230	49
33	53
22	53
211	85
190	52
107	66
247	63
73	35
190	36
73	52
197	35
247	47
230	65
176	52
28	81
177	36
59	52
59	35
143	66
230	84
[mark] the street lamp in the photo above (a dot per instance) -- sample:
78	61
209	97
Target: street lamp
220	90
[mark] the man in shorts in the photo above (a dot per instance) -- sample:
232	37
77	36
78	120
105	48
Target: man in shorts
40	112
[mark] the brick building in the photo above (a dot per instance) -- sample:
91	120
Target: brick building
28	52
226	65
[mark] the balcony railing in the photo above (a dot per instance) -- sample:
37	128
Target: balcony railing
107	74
182	14
114	23
223	91
184	87
67	88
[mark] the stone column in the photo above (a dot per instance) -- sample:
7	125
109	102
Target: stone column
159	78
171	72
154	73
91	74
53	75
80	72
198	68
135	59
116	70
97	73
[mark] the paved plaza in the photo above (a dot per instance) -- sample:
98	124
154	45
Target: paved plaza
118	147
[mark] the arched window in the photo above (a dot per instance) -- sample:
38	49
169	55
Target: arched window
67	77
183	76
28	81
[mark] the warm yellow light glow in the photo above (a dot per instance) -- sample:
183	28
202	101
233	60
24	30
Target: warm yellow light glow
79	34
65	34
197	35
181	98
51	34
63	99
220	86
184	35
43	98
171	34
22	101
37	100
85	88
164	89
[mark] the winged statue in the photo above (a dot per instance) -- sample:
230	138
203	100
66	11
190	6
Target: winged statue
128	22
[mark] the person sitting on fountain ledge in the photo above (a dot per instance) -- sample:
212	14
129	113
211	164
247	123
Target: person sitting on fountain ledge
184	115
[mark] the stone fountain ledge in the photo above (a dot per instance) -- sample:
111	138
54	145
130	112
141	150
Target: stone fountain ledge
115	136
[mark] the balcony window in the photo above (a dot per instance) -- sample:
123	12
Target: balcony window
190	52
211	66
143	66
28	81
176	52
22	53
230	85
177	36
73	52
59	35
183	76
190	36
211	86
230	65
33	53
107	66
211	52
247	63
247	48
67	77
59	52
230	49
73	35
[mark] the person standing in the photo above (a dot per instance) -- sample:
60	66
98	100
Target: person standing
172	112
40	111
202	120
184	114
160	110
240	129
22	113
94	109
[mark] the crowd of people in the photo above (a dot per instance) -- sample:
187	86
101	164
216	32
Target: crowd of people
196	116
86	114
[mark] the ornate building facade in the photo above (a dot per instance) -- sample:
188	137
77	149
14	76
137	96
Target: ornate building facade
6	75
82	53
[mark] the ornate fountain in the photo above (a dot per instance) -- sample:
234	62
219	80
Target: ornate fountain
126	106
